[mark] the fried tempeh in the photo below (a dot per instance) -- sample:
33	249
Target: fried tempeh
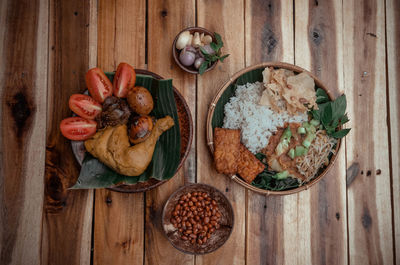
248	165
226	154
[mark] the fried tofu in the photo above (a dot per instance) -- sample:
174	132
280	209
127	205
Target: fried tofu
226	154
248	165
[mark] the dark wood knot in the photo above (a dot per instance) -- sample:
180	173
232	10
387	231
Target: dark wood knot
21	111
351	173
55	190
269	40
366	219
164	13
316	36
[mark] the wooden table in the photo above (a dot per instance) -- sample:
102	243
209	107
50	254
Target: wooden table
350	217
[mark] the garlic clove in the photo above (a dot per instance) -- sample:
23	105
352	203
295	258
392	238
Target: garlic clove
207	39
196	42
190	39
183	40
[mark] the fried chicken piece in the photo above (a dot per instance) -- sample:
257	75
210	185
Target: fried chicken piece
226	154
111	146
248	165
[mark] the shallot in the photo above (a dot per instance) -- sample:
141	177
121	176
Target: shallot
187	56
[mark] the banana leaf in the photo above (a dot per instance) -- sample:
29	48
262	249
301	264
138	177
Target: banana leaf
249	77
166	156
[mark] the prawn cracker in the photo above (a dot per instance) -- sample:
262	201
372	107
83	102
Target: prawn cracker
226	154
248	165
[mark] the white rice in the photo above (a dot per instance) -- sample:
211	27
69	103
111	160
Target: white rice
256	122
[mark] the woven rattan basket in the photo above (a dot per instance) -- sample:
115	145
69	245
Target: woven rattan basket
232	80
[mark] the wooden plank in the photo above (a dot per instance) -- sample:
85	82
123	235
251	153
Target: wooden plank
393	75
230	26
23	68
269	37
369	200
67	216
318	47
166	20
287	222
119	217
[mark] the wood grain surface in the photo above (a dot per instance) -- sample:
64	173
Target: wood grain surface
166	19
369	194
119	217
268	38
352	216
22	128
67	214
231	28
393	80
318	47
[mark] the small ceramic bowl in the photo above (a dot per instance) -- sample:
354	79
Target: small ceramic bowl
217	239
175	52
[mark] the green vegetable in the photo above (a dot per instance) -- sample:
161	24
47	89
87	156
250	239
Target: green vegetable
300	151
283	144
265	179
301	130
314	122
331	114
209	59
308	140
281	175
309	128
291	153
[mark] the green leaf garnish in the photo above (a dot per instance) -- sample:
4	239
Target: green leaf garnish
340	134
331	114
322	97
203	67
223	57
214	46
209	59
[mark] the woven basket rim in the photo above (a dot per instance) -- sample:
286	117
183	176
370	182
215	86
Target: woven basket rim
209	130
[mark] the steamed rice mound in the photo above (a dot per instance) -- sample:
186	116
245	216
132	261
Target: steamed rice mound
256	122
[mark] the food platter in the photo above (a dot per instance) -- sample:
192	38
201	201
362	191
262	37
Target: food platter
186	132
218	103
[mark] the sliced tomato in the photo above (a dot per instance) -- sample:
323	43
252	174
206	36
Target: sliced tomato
124	80
77	128
99	85
84	106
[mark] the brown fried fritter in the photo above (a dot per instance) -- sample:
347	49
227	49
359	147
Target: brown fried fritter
226	153
248	165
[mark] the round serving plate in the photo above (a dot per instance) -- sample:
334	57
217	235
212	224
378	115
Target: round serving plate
175	52
217	239
186	129
232	80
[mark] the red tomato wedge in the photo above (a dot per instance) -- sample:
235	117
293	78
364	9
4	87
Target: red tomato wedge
124	80
98	84
84	106
77	128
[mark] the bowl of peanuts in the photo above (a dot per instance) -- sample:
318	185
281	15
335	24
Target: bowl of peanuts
197	219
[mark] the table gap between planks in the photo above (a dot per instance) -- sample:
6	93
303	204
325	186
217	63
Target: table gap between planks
350	217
